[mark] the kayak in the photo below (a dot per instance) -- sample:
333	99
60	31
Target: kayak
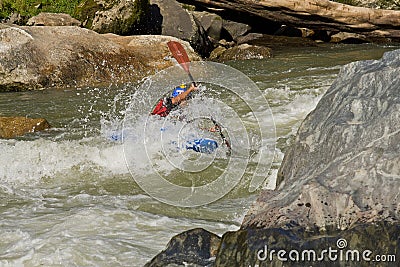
200	145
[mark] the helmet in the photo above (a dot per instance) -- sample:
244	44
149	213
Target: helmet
179	90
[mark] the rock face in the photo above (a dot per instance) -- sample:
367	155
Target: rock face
235	29
11	127
41	57
281	247
197	247
155	17
53	19
344	167
110	16
169	17
211	23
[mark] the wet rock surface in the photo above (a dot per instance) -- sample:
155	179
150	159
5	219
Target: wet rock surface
363	245
196	247
11	127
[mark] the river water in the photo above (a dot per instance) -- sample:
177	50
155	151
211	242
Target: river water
70	196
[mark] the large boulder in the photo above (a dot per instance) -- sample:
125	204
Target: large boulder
211	23
40	57
155	17
53	19
197	247
362	246
110	16
11	127
344	167
173	20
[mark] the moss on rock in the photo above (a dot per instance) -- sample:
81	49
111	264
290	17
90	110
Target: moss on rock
111	16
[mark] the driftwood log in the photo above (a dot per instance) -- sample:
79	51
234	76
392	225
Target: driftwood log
313	14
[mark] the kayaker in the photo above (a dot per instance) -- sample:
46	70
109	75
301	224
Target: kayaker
167	104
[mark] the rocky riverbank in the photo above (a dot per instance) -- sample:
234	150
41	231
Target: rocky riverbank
337	186
38	57
46	54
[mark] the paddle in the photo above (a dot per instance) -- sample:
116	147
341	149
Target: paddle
179	53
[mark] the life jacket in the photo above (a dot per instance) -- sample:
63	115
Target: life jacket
163	107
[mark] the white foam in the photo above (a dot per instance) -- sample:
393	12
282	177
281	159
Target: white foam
24	162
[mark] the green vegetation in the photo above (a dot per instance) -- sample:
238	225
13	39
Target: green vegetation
29	8
388	4
85	12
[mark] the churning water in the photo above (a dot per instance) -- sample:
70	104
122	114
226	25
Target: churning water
70	196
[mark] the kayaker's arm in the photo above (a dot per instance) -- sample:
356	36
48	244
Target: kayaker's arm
179	98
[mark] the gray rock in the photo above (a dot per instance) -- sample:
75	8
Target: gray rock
344	167
53	19
178	22
196	247
211	23
260	247
235	29
15	18
34	57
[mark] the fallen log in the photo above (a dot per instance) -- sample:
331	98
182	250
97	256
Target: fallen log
314	14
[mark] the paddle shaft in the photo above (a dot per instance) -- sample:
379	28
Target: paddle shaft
179	53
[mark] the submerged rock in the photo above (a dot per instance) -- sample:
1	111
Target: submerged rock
196	247
344	167
11	127
40	57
